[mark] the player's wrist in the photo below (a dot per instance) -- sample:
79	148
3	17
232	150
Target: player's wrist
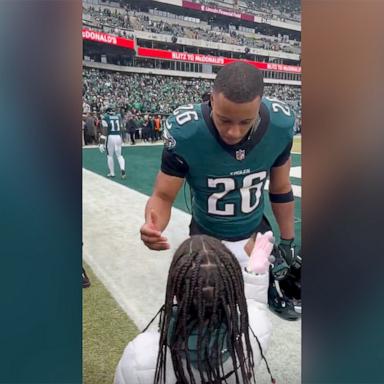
287	241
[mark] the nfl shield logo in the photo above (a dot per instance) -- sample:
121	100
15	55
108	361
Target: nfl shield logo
240	154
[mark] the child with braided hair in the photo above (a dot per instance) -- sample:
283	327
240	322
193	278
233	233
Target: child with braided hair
213	327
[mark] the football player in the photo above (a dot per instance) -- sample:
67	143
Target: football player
112	141
226	150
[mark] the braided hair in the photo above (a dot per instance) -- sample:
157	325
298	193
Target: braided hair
205	300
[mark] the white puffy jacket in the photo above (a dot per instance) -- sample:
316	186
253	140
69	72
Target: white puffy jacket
138	363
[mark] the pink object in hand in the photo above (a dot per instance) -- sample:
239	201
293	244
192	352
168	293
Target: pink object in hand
259	259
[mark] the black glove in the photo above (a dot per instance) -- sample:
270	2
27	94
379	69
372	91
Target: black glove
291	284
290	253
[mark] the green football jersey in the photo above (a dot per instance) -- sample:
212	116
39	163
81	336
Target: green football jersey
227	181
114	123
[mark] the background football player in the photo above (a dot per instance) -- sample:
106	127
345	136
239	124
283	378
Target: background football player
112	141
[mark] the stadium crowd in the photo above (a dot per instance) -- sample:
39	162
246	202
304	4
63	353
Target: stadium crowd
274	9
124	22
218	34
142	97
104	18
140	91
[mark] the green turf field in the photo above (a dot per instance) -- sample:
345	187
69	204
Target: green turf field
142	165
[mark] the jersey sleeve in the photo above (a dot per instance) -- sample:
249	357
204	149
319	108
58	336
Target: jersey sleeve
104	121
172	164
179	131
282	120
284	156
281	114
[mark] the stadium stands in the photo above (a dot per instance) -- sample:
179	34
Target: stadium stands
275	9
157	94
123	21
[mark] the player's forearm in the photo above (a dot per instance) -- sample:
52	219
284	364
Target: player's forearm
284	214
162	208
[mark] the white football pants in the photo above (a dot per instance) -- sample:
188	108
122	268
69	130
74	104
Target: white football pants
114	143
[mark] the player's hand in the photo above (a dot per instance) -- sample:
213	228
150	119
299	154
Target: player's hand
290	253
260	257
151	235
102	148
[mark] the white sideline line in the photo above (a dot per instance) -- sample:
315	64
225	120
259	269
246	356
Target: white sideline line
134	275
295	172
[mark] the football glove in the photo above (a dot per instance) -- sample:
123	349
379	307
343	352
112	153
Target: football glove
284	294
102	148
290	253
